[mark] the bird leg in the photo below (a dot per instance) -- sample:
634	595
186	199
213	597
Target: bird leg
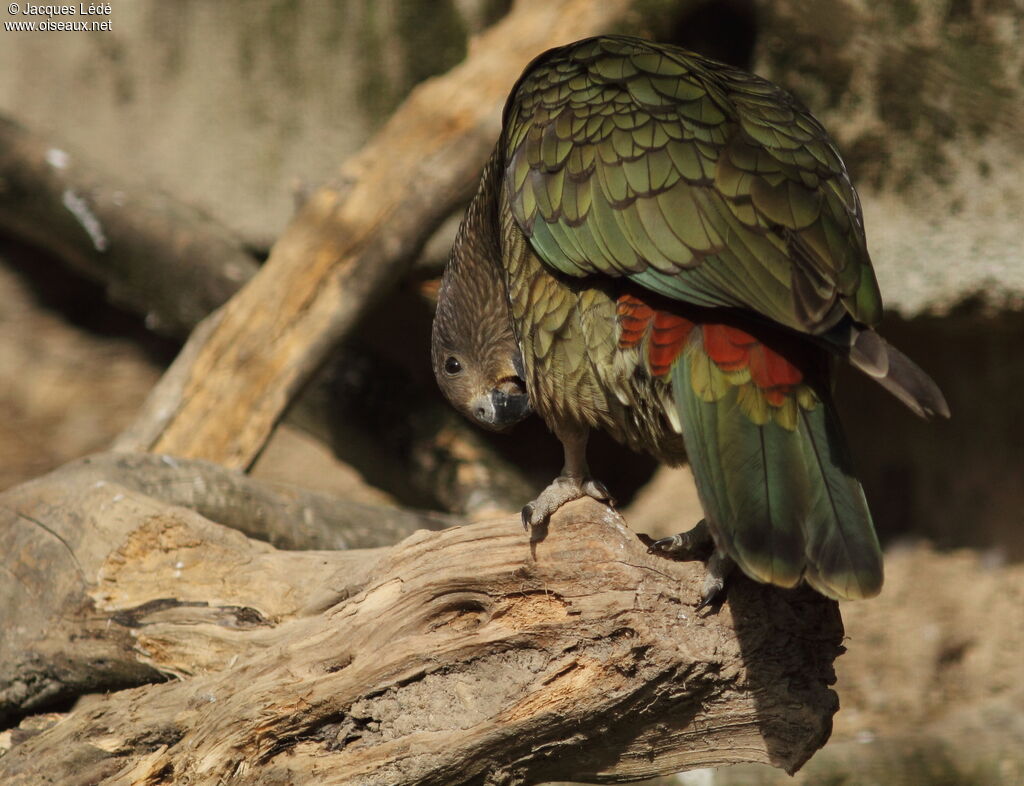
697	544
574	482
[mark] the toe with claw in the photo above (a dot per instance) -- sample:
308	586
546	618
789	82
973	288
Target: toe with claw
697	544
694	544
563	489
574	482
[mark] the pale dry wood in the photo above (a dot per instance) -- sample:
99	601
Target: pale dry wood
152	253
174	265
465	656
442	455
348	242
57	533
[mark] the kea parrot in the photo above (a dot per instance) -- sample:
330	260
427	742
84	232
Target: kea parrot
670	249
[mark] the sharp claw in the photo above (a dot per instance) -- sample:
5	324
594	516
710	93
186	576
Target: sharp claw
714	593
688	546
564	489
659	544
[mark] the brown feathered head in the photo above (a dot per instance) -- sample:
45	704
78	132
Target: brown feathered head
474	351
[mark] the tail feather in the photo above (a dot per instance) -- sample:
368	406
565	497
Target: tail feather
844	559
894	371
782	502
737	466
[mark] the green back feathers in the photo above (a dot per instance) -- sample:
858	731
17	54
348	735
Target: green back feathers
696	180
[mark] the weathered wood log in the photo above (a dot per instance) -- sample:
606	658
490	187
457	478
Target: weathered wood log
56	531
158	256
348	243
441	453
465	656
173	265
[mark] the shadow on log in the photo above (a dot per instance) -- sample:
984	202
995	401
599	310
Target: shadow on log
465	656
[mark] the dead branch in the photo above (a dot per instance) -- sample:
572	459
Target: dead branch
173	265
465	656
154	254
348	243
439	453
284	516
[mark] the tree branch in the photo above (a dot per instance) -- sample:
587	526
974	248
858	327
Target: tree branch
348	243
285	516
160	257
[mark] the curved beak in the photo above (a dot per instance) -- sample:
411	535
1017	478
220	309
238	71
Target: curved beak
499	410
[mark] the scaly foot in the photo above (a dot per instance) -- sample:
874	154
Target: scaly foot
697	544
564	488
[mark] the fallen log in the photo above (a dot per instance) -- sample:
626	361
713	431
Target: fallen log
465	656
285	516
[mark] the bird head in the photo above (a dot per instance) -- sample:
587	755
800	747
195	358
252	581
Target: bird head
474	352
489	390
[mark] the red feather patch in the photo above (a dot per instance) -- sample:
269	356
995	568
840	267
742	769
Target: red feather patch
668	336
731	348
634	317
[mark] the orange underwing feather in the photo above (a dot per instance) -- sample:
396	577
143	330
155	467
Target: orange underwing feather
769	369
727	346
634	318
668	337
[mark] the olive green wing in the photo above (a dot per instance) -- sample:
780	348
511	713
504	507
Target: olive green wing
694	179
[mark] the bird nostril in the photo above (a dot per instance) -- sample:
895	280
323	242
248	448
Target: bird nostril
479	413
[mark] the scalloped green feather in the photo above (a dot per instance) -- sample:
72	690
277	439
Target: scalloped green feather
628	134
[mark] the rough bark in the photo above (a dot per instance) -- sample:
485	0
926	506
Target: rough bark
153	253
466	656
56	532
348	243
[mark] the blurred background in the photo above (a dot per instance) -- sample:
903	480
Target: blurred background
232	112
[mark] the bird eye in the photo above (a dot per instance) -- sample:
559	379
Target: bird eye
452	366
